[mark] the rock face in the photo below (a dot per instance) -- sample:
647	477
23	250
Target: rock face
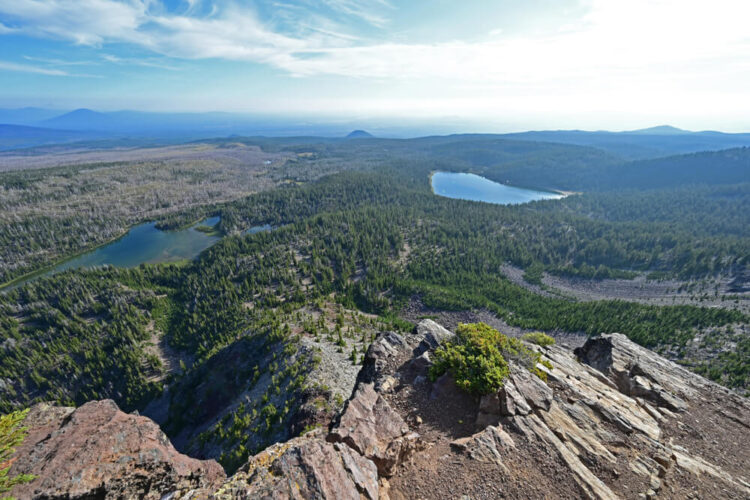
97	451
638	372
620	403
370	427
305	467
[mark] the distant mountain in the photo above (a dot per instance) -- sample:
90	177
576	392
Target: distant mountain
21	136
360	134
80	119
661	130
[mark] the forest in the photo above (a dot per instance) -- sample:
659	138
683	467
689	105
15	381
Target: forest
370	239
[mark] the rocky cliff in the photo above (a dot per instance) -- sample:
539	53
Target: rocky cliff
613	420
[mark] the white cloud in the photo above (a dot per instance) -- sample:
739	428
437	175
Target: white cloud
5	30
370	11
614	36
58	62
25	68
655	53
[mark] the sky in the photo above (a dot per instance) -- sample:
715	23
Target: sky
491	65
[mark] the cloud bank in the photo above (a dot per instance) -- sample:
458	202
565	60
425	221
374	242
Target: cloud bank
612	37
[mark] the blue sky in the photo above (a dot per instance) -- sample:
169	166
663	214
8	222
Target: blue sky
491	64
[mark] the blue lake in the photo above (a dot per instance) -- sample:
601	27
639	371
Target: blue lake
148	245
476	188
142	244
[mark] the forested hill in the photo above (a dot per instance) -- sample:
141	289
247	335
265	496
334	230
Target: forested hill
544	165
730	166
641	144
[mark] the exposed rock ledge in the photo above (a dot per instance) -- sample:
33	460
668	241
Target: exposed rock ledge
97	452
614	421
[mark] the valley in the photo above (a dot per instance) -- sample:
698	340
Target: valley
239	316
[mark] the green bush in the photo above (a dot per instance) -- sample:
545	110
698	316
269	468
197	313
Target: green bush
538	338
478	356
12	434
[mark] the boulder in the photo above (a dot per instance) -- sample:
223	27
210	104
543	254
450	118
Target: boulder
489	445
430	335
97	451
374	430
421	363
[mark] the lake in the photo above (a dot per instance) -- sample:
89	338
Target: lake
146	244
476	188
142	244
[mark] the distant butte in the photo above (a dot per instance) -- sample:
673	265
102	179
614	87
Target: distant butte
360	134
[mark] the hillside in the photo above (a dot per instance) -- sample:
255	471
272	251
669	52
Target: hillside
612	420
641	144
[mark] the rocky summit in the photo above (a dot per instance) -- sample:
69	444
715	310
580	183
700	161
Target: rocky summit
613	420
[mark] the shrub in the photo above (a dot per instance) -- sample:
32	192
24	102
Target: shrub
538	338
12	434
478	356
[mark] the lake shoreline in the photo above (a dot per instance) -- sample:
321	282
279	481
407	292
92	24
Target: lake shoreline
469	186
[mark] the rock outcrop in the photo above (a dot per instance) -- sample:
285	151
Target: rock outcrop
613	420
302	468
97	451
374	430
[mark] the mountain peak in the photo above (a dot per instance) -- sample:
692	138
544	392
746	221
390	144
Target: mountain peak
360	134
79	119
661	130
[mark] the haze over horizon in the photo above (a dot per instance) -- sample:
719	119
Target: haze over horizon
542	64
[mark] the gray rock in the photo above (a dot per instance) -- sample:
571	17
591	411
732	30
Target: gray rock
639	372
386	347
430	335
511	401
374	430
489	445
421	363
533	389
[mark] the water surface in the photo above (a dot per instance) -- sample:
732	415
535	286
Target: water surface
476	188
143	244
148	245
